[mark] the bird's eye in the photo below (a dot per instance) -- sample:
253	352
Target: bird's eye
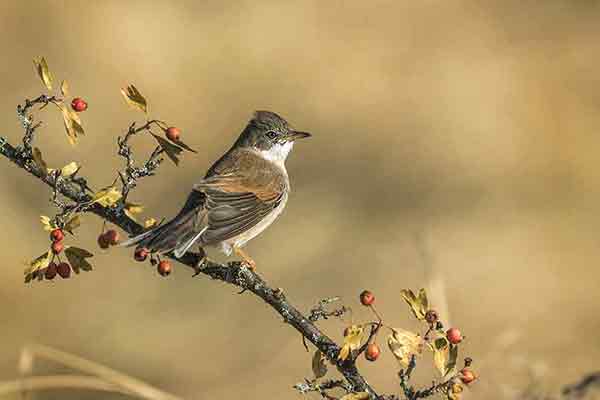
271	134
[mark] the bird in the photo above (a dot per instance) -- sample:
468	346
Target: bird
240	196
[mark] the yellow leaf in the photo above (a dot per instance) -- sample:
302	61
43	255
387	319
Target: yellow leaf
64	89
444	356
418	304
356	396
455	391
404	344
39	161
150	222
107	197
46	222
43	72
352	338
319	366
69	169
72	224
36	264
134	98
131	209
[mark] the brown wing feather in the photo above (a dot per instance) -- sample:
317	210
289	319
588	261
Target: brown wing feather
239	194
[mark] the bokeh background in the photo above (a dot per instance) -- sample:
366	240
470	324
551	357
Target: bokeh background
455	147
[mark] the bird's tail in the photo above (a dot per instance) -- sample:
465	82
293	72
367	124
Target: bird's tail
177	235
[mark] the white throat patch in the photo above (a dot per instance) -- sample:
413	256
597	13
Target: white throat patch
278	153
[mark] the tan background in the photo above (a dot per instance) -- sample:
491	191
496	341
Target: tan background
464	131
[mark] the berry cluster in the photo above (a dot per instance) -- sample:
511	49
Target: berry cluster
63	269
163	267
108	238
406	345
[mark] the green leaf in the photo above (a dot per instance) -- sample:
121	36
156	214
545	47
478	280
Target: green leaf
43	72
77	258
134	98
39	161
169	148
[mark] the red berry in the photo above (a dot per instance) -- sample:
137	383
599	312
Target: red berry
57	235
112	236
57	247
367	298
64	270
50	271
372	352
103	241
141	254
173	133
164	268
454	336
78	104
467	376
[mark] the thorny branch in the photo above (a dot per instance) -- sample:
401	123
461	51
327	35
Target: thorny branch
132	173
235	273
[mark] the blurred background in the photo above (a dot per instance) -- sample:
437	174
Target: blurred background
455	147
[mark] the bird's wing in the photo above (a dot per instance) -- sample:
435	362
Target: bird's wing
240	196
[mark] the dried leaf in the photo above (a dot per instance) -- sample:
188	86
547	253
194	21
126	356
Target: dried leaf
169	148
39	161
72	127
47	223
185	146
36	265
418	304
356	396
404	344
72	224
352	338
150	222
43	72
134	98
319	366
107	197
445	359
131	209
77	258
64	89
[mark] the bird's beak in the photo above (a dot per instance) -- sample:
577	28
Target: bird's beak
295	135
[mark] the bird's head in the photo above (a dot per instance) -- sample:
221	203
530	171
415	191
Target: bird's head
271	135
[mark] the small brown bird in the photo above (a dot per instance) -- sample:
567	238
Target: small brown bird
240	196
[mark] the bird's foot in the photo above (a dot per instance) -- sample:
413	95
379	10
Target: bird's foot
246	259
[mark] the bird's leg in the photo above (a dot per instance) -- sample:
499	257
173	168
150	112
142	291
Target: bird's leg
247	260
203	258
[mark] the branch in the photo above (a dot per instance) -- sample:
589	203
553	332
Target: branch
233	272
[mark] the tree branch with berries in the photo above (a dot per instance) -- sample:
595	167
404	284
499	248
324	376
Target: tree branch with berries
72	196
